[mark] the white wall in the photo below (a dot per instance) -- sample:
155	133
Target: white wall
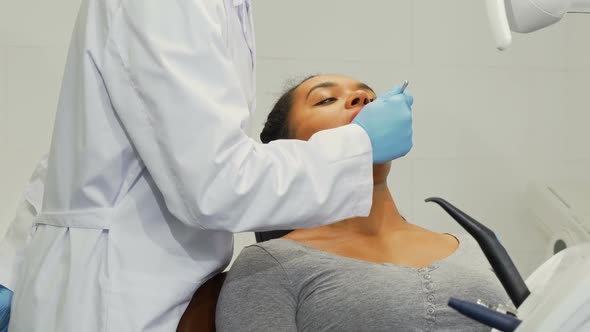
34	35
486	123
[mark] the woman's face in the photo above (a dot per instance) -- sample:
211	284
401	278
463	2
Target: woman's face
325	102
330	101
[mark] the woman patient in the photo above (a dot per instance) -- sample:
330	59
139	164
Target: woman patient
375	273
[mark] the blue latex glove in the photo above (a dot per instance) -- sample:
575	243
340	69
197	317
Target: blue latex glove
388	122
5	300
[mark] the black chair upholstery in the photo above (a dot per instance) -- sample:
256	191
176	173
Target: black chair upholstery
265	236
200	313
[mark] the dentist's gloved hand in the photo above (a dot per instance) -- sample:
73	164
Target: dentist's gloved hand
388	122
5	300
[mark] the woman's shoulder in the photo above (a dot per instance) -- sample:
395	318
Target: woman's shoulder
468	243
470	251
275	252
277	247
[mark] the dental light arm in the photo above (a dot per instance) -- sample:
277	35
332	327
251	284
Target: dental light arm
524	16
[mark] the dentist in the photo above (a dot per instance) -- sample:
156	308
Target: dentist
150	170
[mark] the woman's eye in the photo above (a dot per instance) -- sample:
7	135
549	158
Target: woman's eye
325	101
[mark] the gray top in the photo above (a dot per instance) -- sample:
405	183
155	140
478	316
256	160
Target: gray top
283	285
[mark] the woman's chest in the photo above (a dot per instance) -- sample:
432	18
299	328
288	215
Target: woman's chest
385	297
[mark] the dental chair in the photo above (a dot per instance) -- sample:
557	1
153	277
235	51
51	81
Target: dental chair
270	235
200	313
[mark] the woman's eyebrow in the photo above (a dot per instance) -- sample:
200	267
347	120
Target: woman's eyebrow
321	85
365	87
332	84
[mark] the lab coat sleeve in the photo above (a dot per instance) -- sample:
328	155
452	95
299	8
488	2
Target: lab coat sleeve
168	71
19	231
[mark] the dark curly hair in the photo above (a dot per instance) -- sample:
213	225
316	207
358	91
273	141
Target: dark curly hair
277	124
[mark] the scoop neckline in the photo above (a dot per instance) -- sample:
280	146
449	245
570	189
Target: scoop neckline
433	265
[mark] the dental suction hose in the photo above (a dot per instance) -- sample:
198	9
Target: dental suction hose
485	315
496	254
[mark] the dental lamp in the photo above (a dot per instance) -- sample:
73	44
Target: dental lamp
524	16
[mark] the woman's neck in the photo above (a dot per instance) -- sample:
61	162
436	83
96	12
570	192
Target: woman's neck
382	220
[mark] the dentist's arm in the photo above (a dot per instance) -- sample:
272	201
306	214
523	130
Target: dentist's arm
172	82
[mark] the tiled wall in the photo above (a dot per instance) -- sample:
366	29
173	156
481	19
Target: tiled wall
486	122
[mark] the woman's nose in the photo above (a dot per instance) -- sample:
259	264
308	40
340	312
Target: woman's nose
358	98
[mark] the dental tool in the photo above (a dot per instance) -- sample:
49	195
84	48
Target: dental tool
404	86
485	315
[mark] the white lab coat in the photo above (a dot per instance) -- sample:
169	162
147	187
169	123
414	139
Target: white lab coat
19	231
150	171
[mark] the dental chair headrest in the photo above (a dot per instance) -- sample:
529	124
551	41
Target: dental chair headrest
270	235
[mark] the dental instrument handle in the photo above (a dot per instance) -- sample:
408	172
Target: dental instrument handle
496	254
404	86
484	315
